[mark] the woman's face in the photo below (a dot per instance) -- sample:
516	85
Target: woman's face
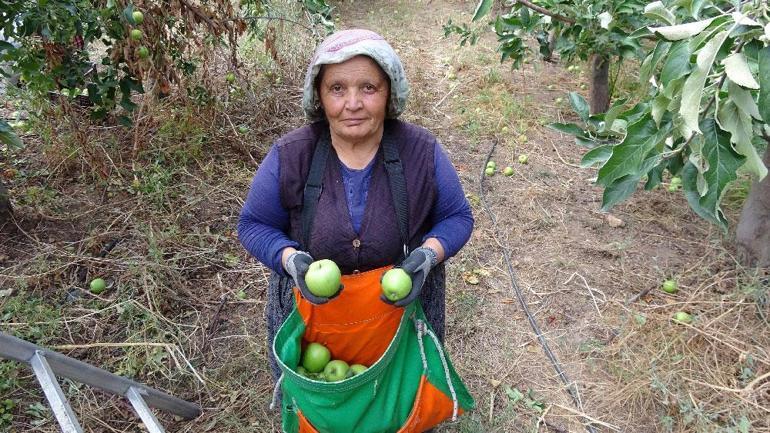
354	96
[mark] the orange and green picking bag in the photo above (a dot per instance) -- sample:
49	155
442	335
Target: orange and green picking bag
410	385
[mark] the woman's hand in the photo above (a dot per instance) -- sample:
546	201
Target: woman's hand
296	265
417	265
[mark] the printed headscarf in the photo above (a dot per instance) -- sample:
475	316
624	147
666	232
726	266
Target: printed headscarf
344	45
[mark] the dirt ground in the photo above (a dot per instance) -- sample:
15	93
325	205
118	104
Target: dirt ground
589	278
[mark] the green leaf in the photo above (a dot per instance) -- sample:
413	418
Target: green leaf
659	108
737	70
723	165
682	31
8	136
652	60
580	105
689	184
677	64
628	155
764	83
738	123
693	87
597	155
657	11
567	128
743	99
482	9
620	190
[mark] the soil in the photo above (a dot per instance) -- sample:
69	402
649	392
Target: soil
585	275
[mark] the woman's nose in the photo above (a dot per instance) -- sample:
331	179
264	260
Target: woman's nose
354	101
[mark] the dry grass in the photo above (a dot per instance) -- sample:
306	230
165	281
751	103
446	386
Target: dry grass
173	317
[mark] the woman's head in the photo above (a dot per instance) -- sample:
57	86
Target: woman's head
361	50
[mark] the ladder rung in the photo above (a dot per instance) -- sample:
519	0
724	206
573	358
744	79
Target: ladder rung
134	395
59	404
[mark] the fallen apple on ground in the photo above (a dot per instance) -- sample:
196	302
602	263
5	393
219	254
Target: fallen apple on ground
669	286
323	278
682	317
489	171
138	17
230	77
97	286
508	171
523	158
136	34
143	52
396	284
315	357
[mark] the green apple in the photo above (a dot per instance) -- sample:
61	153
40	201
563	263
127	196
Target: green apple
315	357
241	294
230	77
136	34
357	369
98	285
523	158
682	317
490	171
669	286
336	370
323	278
676	180
523	138
302	371
243	129
143	52
508	171
138	17
396	284
491	164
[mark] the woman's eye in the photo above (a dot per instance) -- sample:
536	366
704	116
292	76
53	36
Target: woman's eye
336	88
369	88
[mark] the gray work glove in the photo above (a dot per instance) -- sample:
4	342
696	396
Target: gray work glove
417	265
297	265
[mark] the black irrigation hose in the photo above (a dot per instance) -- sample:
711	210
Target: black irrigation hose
569	386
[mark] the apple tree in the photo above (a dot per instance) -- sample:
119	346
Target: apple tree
704	119
598	31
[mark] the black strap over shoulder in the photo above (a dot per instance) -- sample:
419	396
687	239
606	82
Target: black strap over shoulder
314	186
395	170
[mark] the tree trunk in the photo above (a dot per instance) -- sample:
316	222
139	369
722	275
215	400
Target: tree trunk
5	206
753	232
600	84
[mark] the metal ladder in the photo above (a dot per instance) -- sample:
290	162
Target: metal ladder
48	364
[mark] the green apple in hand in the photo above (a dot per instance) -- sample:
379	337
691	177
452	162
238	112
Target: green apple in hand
336	370
315	357
396	284
323	278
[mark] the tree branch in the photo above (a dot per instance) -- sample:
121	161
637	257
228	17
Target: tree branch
545	11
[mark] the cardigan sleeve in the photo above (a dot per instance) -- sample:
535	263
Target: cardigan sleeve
263	222
451	214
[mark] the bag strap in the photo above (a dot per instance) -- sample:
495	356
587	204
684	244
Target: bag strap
395	170
314	186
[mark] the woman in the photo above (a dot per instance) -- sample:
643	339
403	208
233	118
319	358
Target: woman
355	186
